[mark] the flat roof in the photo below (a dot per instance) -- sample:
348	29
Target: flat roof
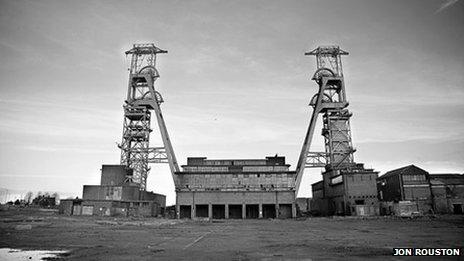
236	172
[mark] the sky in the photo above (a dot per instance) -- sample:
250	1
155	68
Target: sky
235	81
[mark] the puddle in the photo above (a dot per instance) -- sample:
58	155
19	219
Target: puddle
7	254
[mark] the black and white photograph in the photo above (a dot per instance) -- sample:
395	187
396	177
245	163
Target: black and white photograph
231	130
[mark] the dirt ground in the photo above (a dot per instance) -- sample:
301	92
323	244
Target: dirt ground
98	238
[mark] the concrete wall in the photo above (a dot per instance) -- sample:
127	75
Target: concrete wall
361	189
122	208
95	192
157	198
342	192
114	175
243	198
445	197
125	193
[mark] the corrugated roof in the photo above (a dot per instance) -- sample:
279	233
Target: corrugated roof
448	179
404	170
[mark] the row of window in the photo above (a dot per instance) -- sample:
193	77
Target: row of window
235	162
414	177
287	175
362	177
136	204
262	186
206	169
226	169
235	177
265	168
339	179
363	196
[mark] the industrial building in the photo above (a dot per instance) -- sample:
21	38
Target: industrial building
346	188
115	197
236	189
257	188
447	193
409	183
346	192
427	193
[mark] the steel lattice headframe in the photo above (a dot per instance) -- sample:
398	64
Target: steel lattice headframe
142	100
330	101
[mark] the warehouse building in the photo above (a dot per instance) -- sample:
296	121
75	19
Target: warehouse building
425	192
236	189
409	184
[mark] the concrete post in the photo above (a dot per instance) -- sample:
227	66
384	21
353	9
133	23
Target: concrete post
210	211
243	211
227	211
277	204
177	207
193	205
293	210
260	210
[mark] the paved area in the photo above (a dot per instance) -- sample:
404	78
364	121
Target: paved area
97	238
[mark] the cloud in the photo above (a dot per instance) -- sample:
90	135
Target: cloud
68	149
445	5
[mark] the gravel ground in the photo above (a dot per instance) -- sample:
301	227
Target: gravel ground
98	238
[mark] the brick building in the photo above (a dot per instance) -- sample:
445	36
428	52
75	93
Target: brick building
236	188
